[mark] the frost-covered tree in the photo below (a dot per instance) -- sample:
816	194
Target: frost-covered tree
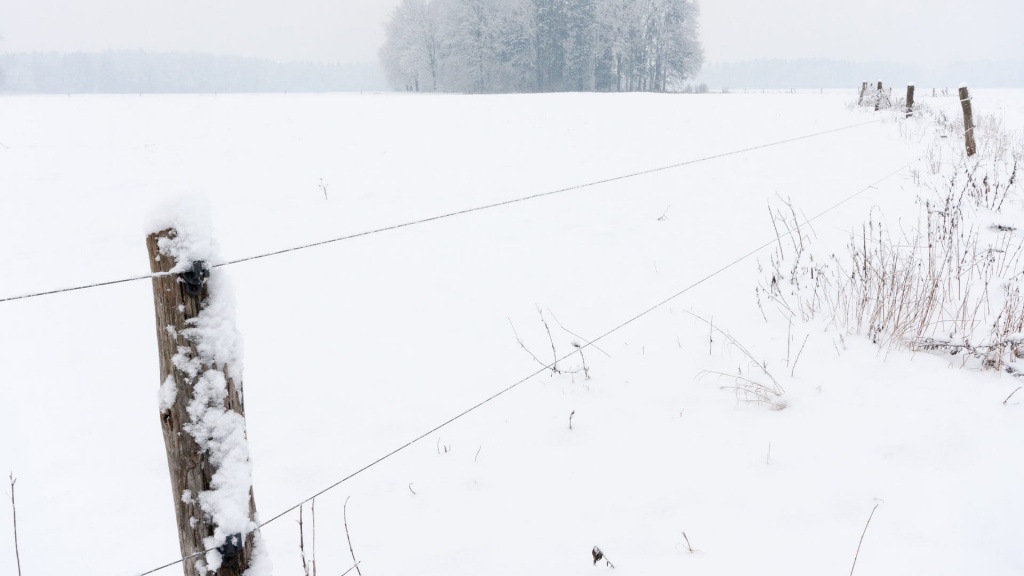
542	45
410	54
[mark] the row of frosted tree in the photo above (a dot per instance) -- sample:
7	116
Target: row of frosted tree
541	45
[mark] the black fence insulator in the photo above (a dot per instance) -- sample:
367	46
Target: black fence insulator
231	548
195	278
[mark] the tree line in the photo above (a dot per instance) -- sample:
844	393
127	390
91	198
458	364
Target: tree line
119	72
541	45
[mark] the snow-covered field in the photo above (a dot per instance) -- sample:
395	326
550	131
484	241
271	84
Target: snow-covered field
354	348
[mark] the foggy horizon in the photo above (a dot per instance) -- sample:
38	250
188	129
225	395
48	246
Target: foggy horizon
918	32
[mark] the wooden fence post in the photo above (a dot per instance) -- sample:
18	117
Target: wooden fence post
965	102
185	366
863	91
910	100
878	97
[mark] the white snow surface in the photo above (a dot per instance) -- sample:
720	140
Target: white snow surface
354	348
168	393
189	215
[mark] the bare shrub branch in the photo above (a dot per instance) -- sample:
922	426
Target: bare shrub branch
344	515
866	524
14	515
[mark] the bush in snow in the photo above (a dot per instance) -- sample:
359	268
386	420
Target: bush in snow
952	282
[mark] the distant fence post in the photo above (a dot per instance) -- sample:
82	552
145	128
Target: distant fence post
863	91
965	102
910	100
193	383
878	97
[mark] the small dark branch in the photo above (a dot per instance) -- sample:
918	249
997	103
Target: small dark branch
664	215
599	555
583	359
688	547
447	447
793	371
711	335
411	490
573	413
528	351
14	514
344	516
866	524
1004	403
554	352
354	567
302	544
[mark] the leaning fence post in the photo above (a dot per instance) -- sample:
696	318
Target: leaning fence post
878	97
965	102
201	409
910	100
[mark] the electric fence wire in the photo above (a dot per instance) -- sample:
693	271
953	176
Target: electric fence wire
540	371
456	213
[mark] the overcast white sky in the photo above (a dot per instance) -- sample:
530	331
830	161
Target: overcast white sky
915	31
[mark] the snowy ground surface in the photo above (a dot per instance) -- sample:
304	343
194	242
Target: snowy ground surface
354	348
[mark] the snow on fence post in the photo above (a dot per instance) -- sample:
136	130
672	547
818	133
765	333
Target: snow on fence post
201	407
965	102
863	91
910	100
878	97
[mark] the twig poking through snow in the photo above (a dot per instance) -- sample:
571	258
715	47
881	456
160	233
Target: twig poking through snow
793	371
302	545
312	509
688	547
776	388
523	346
554	353
14	513
344	516
862	538
571	414
711	336
354	567
411	490
1004	403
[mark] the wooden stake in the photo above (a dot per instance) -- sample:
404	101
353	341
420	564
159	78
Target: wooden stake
910	100
878	97
863	91
190	468
965	102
